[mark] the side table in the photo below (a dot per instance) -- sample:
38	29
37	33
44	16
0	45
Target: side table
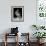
8	34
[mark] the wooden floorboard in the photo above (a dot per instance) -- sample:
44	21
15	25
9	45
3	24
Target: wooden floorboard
13	44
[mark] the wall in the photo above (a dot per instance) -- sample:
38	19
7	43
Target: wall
29	15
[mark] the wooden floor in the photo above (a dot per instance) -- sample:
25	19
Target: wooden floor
13	44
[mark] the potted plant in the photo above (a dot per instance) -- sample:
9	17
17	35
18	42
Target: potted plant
39	35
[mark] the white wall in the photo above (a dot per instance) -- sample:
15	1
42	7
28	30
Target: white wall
29	15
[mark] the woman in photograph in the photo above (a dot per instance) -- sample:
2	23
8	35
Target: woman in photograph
18	13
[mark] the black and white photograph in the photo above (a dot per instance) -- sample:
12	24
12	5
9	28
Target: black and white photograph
17	13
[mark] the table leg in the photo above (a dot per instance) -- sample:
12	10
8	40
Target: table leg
5	40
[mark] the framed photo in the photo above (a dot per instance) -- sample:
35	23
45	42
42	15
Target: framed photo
17	13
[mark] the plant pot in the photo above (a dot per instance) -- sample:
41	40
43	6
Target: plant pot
40	41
